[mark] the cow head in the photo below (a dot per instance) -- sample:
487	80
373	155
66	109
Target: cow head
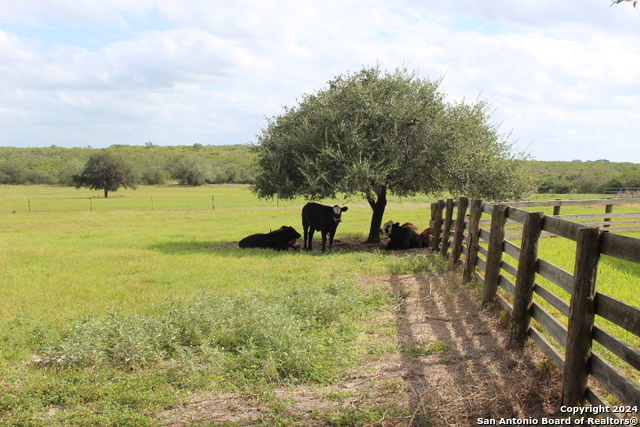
386	228
337	213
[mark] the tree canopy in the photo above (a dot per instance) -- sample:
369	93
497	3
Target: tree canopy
372	133
106	171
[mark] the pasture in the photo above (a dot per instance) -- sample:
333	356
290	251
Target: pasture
113	309
63	260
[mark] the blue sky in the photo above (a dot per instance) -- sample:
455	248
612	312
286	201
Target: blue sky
562	76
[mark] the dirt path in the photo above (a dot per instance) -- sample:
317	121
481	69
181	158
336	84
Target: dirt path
452	366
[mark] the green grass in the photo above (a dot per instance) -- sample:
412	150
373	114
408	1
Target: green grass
58	263
107	317
111	311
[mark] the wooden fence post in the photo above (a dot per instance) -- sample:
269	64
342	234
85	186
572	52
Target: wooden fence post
581	317
525	278
494	256
458	237
436	228
446	229
474	240
432	220
607	209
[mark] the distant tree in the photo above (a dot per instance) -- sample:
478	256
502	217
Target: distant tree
106	171
192	169
373	133
13	172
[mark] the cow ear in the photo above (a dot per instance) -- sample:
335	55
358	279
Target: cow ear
397	224
344	209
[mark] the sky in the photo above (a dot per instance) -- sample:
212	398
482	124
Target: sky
563	78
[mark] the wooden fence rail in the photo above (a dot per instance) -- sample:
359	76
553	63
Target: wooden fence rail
485	263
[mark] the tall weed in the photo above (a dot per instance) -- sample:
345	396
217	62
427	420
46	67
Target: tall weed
288	335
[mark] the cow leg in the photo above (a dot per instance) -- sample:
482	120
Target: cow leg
331	240
306	233
311	231
324	240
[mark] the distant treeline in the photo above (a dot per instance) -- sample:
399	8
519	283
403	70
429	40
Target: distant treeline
200	164
190	165
581	177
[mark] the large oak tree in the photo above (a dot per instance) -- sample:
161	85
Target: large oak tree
375	133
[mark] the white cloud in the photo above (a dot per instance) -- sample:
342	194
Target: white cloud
562	77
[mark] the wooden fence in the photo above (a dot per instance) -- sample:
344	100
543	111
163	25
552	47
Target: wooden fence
457	232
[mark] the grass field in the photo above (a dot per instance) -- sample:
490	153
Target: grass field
61	262
113	309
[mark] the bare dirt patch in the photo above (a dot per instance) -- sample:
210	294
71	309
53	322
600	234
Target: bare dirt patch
451	365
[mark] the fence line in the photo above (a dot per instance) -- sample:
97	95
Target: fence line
487	265
137	204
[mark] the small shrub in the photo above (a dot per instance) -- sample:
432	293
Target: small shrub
414	263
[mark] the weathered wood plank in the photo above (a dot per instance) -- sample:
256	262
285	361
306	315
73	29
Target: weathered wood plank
517	215
446	228
513	236
504	304
550	323
560	227
473	239
623	247
581	317
484	251
436	228
612	226
586	202
557	275
458	238
504	265
494	257
618	312
482	265
557	302
623	350
484	234
601	215
511	249
597	400
616	229
617	384
547	348
507	285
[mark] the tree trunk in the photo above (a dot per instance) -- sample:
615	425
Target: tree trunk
106	193
378	206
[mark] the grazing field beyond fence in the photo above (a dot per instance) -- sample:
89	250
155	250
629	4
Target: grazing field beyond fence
597	332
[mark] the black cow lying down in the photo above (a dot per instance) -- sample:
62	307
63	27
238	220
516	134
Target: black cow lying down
403	238
280	239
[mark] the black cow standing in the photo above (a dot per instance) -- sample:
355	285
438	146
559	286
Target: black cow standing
324	219
280	239
403	238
